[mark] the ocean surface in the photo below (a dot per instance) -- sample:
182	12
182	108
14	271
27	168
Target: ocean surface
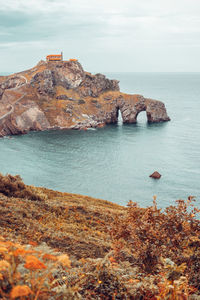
114	163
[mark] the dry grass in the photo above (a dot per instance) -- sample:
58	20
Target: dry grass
69	222
68	246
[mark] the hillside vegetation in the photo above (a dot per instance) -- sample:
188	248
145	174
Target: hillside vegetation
64	246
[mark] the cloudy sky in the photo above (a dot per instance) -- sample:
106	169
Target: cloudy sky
105	35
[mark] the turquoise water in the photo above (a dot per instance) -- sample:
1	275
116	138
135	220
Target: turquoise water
115	162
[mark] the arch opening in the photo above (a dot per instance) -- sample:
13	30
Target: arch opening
142	117
119	117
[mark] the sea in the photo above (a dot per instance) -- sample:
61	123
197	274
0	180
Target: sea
114	162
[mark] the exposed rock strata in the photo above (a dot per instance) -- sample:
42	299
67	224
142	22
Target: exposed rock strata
62	95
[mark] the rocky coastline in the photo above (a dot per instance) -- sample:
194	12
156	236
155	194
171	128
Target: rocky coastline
61	95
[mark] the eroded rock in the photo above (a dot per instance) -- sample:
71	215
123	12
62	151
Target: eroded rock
41	98
155	175
11	82
32	119
45	82
68	74
94	85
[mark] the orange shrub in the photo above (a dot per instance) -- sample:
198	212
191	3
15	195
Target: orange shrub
149	234
20	291
33	263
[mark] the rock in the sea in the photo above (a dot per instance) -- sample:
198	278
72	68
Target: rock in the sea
41	98
155	175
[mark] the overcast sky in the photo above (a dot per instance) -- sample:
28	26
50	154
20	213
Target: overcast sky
105	35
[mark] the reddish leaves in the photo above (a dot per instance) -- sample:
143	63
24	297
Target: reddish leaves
20	291
33	263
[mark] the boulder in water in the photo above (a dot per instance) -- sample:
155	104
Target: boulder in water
155	175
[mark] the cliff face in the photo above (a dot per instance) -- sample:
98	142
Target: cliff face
62	95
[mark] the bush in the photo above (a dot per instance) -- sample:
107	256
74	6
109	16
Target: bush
13	186
151	236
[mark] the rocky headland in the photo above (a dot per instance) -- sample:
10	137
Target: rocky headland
61	95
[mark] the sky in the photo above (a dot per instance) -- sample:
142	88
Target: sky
104	35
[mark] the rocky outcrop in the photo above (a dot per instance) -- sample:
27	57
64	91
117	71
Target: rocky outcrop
31	119
45	83
11	83
156	111
62	95
155	175
94	85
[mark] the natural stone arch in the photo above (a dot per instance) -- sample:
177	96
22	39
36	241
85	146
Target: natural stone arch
131	107
119	117
111	117
142	114
130	112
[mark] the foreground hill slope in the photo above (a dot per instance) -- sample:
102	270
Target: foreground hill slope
61	95
64	246
68	222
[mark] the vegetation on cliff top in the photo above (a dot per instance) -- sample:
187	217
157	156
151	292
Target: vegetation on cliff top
63	246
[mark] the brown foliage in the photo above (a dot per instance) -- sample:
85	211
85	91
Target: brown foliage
149	236
156	254
13	186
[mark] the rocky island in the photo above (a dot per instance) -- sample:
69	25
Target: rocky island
61	95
